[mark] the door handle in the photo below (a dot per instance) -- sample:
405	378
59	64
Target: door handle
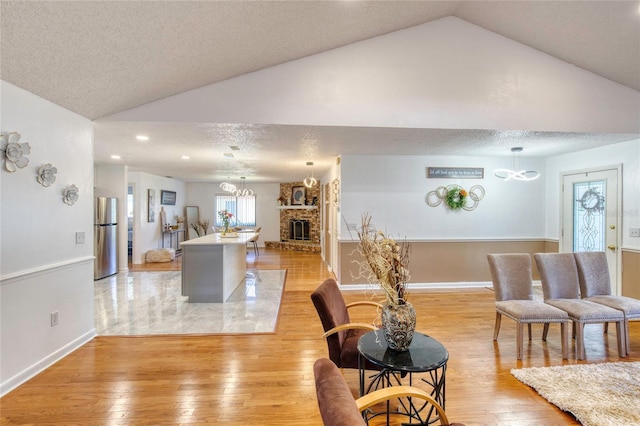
611	247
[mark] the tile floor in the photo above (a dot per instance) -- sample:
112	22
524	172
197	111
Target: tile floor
144	303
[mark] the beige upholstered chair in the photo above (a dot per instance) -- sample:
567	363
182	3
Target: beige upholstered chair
342	335
561	288
511	274
595	285
338	407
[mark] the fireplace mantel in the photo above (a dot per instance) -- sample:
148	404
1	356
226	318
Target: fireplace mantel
297	207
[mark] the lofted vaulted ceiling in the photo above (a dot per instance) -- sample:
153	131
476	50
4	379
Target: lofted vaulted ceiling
98	58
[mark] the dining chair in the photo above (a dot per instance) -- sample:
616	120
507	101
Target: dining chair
339	408
513	288
561	288
595	285
341	334
254	240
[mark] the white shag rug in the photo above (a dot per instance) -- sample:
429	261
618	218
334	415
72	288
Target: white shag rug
596	394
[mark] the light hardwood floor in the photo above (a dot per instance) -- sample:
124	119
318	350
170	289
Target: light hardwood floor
268	379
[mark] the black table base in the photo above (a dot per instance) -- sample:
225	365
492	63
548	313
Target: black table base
426	356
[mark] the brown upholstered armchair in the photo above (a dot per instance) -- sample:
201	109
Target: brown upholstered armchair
339	408
511	274
342	335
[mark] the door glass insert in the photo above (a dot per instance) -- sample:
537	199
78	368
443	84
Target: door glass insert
589	216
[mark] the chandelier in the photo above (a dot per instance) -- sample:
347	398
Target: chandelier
310	181
229	187
243	191
515	173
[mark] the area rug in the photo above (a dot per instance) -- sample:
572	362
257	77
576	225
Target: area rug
147	303
596	394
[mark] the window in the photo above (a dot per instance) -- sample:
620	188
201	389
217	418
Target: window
242	208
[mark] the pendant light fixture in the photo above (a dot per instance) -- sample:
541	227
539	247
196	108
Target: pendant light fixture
310	181
229	187
243	191
515	173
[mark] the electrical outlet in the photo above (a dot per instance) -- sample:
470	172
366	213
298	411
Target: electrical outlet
79	237
54	318
634	232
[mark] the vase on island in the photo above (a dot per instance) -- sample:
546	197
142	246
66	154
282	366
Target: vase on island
398	325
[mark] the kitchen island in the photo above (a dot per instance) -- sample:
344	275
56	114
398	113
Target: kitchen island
213	266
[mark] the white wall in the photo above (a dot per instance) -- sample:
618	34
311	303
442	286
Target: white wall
443	74
43	269
627	154
267	214
393	190
148	235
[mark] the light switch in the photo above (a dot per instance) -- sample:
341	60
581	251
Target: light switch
79	237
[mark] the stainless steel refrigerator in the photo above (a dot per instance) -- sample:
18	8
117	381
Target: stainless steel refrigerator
105	236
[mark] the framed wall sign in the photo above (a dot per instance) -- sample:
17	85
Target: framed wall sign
167	198
455	172
298	195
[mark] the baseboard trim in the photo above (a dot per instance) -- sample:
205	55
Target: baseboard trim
35	369
423	286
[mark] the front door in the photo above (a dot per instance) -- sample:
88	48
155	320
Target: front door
590	216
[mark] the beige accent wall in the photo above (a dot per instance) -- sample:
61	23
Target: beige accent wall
551	246
448	261
631	273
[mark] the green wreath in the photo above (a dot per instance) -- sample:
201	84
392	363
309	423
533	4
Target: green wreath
456	198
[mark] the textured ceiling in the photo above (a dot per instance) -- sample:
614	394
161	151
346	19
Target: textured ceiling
97	58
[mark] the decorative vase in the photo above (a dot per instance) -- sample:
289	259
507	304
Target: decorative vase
398	325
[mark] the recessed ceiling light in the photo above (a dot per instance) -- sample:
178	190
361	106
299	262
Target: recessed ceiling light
116	157
142	137
185	157
228	155
234	148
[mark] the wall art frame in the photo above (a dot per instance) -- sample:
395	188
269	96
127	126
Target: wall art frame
151	205
167	198
298	195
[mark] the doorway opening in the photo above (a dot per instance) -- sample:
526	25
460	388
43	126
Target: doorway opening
130	210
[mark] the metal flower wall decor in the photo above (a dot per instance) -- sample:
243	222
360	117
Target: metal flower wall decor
70	195
456	197
46	174
15	154
14	151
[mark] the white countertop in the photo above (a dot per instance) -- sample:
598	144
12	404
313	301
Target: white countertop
216	239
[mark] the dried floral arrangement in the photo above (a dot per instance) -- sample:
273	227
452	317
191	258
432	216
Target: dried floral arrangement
385	262
201	227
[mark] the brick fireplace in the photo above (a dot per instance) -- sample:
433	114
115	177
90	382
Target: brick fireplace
300	223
